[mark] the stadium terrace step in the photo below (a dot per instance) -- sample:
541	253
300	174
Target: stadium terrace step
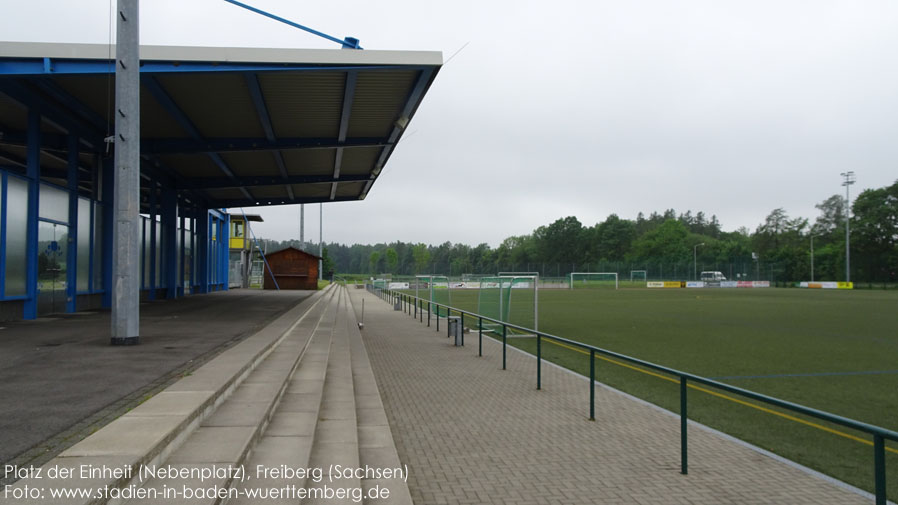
329	418
377	449
224	440
201	412
336	436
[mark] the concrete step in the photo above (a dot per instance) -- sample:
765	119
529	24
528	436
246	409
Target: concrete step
224	440
155	431
330	417
335	445
287	441
377	450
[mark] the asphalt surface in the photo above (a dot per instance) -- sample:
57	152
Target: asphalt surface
60	380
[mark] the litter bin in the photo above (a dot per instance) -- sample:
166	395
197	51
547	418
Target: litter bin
455	329
397	305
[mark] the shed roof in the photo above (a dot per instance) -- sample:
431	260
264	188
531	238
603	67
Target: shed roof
288	248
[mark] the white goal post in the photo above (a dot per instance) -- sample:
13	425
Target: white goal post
641	274
509	298
519	274
593	280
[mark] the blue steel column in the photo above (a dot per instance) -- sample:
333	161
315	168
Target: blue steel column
154	237
225	248
170	242
125	253
108	209
71	287
33	171
193	251
201	251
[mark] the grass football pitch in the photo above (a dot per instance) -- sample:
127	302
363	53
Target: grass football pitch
836	351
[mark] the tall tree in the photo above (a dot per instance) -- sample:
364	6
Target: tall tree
831	219
374	262
667	242
422	258
875	232
392	259
613	238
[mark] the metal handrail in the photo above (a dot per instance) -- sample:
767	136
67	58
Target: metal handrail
879	433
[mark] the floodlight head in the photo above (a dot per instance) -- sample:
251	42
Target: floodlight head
849	178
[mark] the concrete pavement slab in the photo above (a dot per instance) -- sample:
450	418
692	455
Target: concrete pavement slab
61	380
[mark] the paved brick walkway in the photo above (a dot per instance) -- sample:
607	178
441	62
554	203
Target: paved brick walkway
472	433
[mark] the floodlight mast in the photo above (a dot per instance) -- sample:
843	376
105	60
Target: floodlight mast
695	261
125	313
849	180
812	258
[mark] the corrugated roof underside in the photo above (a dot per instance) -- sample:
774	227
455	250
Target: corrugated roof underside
95	92
98	94
225	194
14	115
379	98
304	104
268	192
192	165
322	191
349	188
359	160
248	164
309	161
219	105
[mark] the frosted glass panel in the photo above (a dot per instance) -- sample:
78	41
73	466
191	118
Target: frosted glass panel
98	246
83	272
16	212
146	253
54	204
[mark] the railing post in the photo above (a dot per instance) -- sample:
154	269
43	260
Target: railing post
416	308
480	336
504	343
461	327
428	313
448	326
539	362
438	317
592	384
684	421
879	468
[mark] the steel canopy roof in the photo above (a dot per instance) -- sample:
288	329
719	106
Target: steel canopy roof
227	127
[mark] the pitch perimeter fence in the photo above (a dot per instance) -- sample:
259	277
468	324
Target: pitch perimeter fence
415	307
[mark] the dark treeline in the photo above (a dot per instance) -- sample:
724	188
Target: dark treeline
664	244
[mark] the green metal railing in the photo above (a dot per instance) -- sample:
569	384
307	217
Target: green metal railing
414	306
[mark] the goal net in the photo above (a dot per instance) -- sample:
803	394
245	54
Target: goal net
593	280
638	275
436	289
511	299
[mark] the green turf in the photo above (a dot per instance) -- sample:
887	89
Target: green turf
742	333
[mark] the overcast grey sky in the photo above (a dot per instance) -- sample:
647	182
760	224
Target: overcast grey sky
578	108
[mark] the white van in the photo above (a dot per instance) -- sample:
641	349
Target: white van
713	276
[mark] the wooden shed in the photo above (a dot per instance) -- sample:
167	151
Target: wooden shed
293	269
